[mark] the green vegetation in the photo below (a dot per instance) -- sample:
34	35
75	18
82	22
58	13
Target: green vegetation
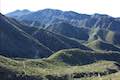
100	45
89	46
115	76
62	65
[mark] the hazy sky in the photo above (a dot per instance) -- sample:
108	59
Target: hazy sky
111	7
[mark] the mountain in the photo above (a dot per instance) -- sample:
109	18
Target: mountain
57	42
50	38
69	30
105	35
50	16
18	13
104	46
81	57
104	22
45	40
45	16
14	42
74	25
51	44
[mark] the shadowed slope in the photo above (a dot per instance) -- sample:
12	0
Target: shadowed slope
17	43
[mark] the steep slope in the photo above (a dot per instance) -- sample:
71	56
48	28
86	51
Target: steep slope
14	42
46	40
103	21
91	27
81	57
56	41
50	38
105	35
69	30
49	16
101	45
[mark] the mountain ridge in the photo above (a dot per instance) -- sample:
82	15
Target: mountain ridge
46	41
51	44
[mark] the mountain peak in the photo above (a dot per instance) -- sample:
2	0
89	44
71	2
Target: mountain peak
100	15
25	10
18	13
17	10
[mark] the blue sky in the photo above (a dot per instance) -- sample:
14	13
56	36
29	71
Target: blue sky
110	7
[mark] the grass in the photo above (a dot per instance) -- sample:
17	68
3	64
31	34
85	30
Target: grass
44	67
115	76
54	66
99	45
110	36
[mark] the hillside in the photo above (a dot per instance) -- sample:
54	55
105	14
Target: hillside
103	46
51	44
69	30
81	57
59	66
105	35
51	38
13	41
57	42
51	16
114	76
75	25
16	37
